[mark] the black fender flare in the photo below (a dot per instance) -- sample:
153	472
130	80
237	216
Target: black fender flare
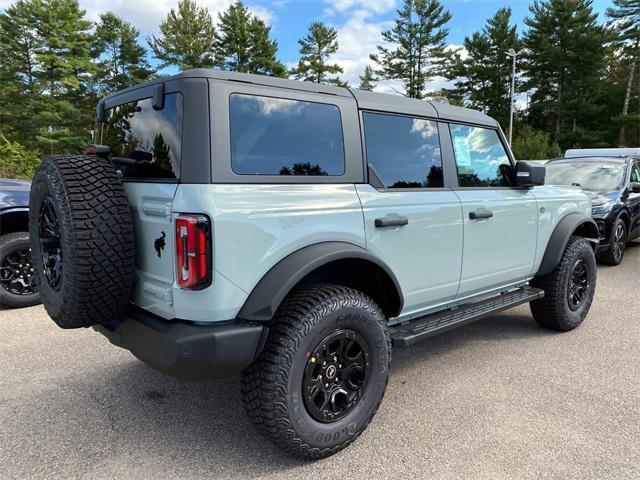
560	237
270	291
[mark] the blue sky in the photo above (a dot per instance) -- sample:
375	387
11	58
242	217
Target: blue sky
359	22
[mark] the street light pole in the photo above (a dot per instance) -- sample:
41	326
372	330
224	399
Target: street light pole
513	54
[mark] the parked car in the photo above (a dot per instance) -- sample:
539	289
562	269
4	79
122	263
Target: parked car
229	223
602	152
18	286
614	183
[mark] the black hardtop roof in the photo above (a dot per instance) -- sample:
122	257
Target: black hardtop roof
366	100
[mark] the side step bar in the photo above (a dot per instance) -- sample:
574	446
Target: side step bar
425	327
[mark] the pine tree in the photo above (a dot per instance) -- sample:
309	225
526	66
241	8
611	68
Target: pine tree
483	77
187	38
242	43
368	79
625	22
417	50
315	49
19	43
123	60
564	64
64	110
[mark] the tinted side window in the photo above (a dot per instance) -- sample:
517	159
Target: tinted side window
480	157
152	139
404	151
275	136
635	172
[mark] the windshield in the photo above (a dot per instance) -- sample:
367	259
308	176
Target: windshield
594	176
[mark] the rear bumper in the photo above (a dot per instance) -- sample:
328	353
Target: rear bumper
186	350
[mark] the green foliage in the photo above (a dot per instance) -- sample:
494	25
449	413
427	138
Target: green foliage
187	38
315	49
530	144
483	77
49	66
368	79
625	18
122	59
242	43
16	160
564	65
18	45
416	50
624	25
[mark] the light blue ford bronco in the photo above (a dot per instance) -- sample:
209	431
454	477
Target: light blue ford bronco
228	223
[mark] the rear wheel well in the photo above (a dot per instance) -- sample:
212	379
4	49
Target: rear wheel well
361	275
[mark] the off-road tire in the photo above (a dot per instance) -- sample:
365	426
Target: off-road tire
96	238
9	243
611	257
272	386
553	311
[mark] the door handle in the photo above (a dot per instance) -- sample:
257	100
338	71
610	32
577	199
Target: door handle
391	222
480	215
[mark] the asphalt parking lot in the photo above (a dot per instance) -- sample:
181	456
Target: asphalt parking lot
501	398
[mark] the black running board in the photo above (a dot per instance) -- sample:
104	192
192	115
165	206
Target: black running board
425	327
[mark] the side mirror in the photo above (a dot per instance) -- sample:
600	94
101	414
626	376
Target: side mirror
635	187
529	174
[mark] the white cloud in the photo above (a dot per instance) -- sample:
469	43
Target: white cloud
357	39
146	15
376	6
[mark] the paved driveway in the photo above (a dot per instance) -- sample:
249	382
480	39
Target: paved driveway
501	398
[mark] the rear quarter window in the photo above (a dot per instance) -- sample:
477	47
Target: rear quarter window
277	136
150	139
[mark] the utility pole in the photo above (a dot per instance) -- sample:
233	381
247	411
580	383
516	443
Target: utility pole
513	54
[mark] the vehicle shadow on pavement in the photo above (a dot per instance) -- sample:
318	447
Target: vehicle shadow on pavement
498	328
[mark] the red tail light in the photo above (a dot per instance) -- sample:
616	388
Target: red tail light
193	251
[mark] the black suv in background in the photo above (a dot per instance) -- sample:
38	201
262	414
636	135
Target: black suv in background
17	283
615	186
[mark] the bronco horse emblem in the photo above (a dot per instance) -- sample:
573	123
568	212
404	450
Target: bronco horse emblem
159	244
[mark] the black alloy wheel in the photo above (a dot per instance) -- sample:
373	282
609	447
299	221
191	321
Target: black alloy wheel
336	375
50	246
578	285
619	241
16	272
617	244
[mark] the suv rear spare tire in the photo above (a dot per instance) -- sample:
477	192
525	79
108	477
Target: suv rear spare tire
82	240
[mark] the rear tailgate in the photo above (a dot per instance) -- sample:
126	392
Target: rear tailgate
155	245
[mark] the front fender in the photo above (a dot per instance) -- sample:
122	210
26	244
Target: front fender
566	228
